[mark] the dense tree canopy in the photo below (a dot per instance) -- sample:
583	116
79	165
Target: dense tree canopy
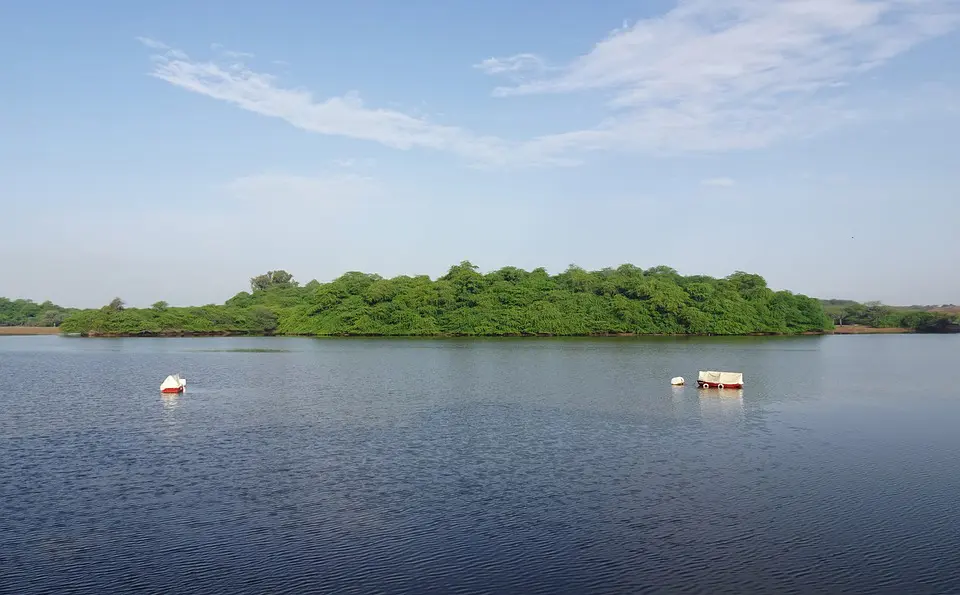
29	313
464	301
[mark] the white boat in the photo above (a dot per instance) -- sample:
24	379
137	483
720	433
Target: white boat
173	384
712	379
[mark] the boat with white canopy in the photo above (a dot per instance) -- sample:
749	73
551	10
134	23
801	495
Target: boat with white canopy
173	384
712	379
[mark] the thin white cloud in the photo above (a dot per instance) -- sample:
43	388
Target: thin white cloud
728	74
719	182
352	163
346	115
168	53
236	55
709	75
514	66
220	49
153	43
322	190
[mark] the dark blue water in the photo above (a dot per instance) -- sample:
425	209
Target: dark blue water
516	466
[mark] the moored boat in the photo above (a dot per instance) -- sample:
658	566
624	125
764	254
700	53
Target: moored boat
173	384
712	379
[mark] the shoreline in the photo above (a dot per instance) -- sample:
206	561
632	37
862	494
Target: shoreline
856	329
188	334
844	330
20	331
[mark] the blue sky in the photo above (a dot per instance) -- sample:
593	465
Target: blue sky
173	150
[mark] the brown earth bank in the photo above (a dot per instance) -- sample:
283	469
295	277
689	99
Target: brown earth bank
29	330
437	336
856	329
848	329
174	334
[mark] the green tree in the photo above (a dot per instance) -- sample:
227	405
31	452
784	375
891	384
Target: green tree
272	279
52	318
263	319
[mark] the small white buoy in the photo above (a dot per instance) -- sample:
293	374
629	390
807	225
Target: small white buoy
678	381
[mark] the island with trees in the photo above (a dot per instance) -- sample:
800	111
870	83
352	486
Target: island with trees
626	300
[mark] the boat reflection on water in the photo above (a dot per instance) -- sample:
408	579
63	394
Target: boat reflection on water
170	400
721	404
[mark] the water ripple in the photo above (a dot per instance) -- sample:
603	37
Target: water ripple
488	467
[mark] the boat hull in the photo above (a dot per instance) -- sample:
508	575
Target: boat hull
704	384
168	391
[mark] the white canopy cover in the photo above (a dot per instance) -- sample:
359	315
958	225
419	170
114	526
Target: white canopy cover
725	378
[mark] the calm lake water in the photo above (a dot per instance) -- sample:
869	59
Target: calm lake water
469	466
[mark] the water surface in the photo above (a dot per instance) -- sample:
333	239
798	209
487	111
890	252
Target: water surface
479	466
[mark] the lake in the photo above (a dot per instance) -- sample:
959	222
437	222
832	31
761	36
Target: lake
479	466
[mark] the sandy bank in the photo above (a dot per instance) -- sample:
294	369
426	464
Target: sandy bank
29	330
856	329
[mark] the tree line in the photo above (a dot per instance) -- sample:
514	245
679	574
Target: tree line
465	302
877	315
30	313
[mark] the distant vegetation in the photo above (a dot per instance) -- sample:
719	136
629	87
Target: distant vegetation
506	302
464	302
929	319
30	313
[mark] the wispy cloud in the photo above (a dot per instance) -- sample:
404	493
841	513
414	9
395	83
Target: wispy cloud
719	182
220	49
709	75
321	190
727	74
153	44
355	163
516	67
169	53
345	115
